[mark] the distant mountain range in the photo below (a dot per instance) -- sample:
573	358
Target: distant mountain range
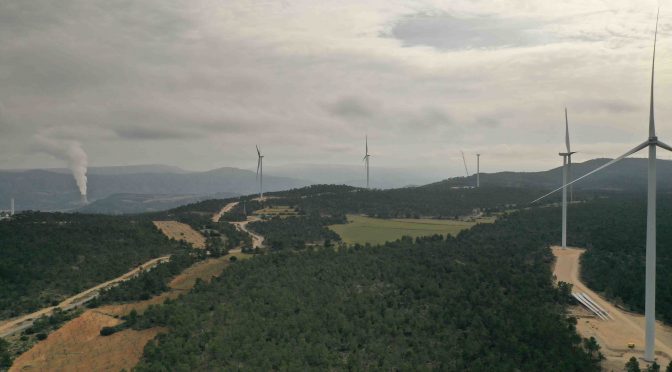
55	189
626	175
140	188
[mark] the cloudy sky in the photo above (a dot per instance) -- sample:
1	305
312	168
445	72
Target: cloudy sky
198	83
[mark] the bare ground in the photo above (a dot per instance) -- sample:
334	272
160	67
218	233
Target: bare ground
612	335
181	231
78	346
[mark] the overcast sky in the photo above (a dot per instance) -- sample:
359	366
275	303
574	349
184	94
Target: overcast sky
198	83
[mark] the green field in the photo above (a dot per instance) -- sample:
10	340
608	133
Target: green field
360	229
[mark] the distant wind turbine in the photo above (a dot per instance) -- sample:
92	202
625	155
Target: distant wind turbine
465	163
366	159
566	167
260	173
650	283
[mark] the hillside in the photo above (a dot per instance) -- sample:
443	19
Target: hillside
142	203
48	256
626	175
454	304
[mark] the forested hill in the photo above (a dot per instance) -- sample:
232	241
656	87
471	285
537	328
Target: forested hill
437	200
626	175
47	257
483	300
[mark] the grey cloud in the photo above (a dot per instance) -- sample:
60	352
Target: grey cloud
352	107
611	106
139	132
445	31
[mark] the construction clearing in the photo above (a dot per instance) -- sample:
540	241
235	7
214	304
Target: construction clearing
181	231
619	333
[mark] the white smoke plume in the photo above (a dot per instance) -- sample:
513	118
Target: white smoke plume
71	152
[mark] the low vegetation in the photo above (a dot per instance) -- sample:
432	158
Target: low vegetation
362	230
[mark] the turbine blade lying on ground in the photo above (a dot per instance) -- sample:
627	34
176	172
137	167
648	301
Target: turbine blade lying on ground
639	147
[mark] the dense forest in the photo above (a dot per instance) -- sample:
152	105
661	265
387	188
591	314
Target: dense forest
483	300
296	232
49	256
436	200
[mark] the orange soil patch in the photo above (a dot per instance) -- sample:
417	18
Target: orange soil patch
612	335
78	346
180	231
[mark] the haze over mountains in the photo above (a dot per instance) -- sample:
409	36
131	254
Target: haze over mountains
140	188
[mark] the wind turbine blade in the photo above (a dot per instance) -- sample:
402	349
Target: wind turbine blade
567	131
258	165
639	147
465	163
652	124
366	140
258	152
664	146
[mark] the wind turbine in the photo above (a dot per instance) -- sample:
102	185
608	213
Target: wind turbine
466	170
260	172
566	166
366	159
650	283
478	170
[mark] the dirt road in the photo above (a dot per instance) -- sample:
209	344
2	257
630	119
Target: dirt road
257	240
612	335
11	326
217	216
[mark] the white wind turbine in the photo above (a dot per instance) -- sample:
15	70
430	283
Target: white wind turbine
366	159
566	166
650	283
260	173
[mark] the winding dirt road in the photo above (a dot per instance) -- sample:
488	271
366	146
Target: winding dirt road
257	240
612	335
217	216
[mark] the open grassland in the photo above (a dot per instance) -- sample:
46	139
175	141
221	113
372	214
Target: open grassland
180	231
360	229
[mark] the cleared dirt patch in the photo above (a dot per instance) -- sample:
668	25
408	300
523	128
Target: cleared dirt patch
612	335
180	231
78	346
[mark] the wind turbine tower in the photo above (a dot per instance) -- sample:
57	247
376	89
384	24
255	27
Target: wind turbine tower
478	170
366	159
11	208
650	283
566	165
260	172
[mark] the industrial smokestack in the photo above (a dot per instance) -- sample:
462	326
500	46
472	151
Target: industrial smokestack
73	153
84	200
